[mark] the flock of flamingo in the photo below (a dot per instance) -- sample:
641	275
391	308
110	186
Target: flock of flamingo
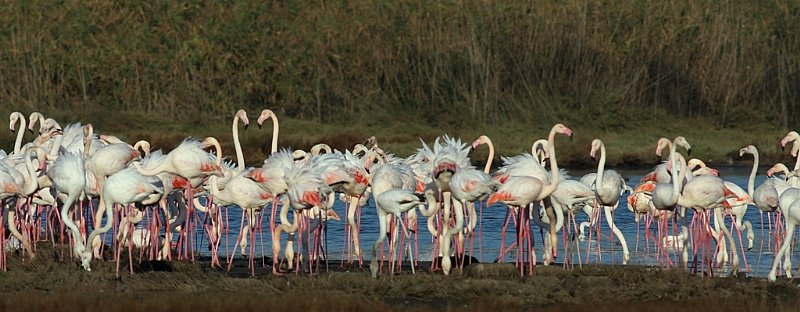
71	186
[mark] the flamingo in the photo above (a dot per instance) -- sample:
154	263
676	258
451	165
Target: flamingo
67	174
706	192
355	193
794	138
45	125
13	119
268	114
520	191
125	187
467	186
386	177
394	202
21	182
792	218
187	160
766	196
608	186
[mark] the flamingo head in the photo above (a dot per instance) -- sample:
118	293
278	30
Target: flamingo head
371	141
86	258
772	170
32	120
596	145
480	140
790	137
750	149
681	141
13	121
561	128
299	155
265	114
242	114
662	143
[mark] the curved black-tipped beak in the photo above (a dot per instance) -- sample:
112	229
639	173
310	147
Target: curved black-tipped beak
31	131
259	126
783	147
246	125
689	152
594	159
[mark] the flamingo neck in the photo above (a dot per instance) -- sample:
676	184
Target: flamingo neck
20	133
53	152
275	130
31	183
490	158
554	175
237	145
752	180
601	168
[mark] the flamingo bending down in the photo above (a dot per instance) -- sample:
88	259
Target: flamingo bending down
125	187
394	202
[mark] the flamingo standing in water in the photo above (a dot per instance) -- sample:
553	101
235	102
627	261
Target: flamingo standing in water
520	191
125	187
766	196
704	193
467	186
386	177
394	202
608	186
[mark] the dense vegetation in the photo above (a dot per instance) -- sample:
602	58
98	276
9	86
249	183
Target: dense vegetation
145	67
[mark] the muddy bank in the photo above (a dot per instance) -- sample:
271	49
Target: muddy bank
46	284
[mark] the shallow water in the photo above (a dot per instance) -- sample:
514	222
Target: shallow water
487	244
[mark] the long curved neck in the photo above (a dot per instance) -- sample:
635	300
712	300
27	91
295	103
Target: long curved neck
601	167
20	133
236	144
796	146
53	152
677	186
35	116
31	183
490	158
752	180
275	130
554	175
676	182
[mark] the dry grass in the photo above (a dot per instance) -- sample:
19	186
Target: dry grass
411	61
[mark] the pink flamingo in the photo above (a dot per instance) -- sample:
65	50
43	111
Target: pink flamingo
520	191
